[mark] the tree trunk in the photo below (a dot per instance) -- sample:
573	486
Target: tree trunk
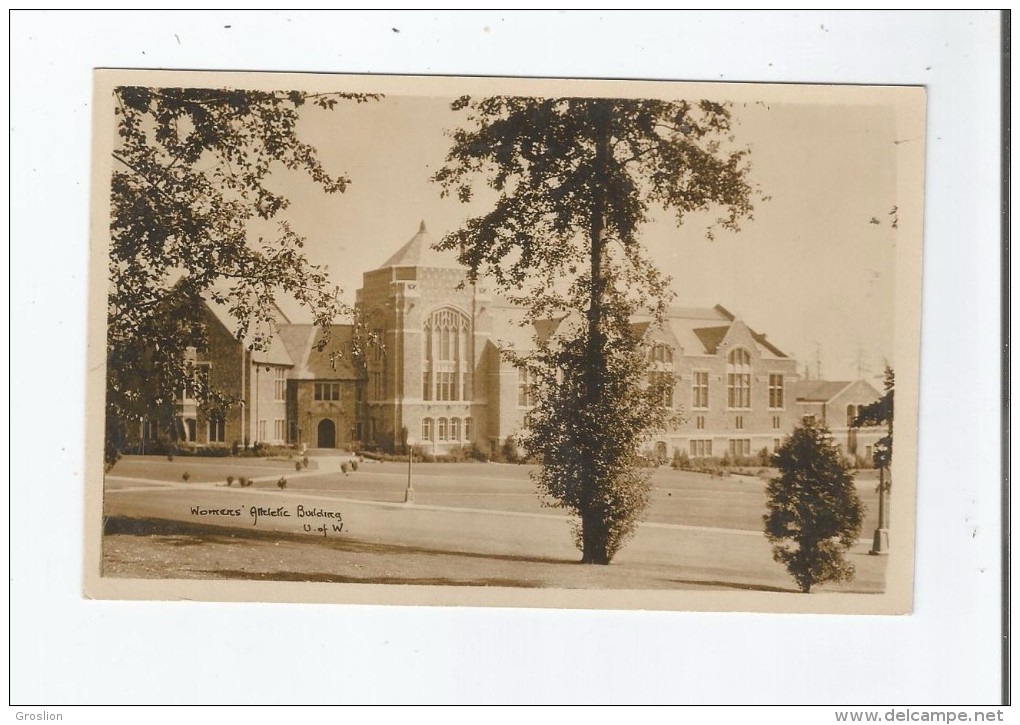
594	540
593	534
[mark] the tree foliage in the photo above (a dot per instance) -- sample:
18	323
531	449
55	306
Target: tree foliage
814	514
575	179
194	213
588	450
881	413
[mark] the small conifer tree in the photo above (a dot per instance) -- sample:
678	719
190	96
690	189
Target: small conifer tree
814	514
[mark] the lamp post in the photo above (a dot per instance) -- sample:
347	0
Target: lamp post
409	493
880	542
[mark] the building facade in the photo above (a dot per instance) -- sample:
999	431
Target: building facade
837	403
433	371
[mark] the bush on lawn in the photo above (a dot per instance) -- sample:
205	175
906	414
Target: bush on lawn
814	514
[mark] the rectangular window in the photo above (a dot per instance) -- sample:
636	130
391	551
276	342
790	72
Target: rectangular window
701	448
700	389
202	379
776	422
740	447
216	433
377	385
426	386
665	380
739	422
738	389
327	391
279	429
280	384
191	425
467	429
699	422
525	391
466	382
776	390
198	385
662	354
262	431
446	387
776	442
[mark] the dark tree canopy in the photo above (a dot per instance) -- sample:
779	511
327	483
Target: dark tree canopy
194	213
570	169
881	413
814	514
575	181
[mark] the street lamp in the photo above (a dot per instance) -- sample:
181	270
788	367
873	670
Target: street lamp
409	493
880	543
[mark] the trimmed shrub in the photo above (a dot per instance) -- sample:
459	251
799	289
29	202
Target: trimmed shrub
814	514
681	461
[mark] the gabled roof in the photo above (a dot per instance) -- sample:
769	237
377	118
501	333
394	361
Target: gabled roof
313	364
419	252
710	337
696	334
276	354
545	329
760	339
639	329
298	339
818	391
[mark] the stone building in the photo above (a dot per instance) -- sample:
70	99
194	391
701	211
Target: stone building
731	383
837	403
434	371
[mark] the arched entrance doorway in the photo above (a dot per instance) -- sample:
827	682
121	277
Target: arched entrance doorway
327	434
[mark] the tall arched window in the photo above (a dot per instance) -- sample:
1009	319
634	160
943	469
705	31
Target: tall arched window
467	429
446	363
426	429
738	378
442	430
454	429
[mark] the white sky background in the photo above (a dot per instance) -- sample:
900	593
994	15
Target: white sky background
810	270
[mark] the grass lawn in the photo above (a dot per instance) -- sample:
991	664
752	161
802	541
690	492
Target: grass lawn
471	524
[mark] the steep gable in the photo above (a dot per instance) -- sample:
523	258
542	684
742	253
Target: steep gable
334	362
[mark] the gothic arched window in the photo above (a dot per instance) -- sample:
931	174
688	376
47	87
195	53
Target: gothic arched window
446	364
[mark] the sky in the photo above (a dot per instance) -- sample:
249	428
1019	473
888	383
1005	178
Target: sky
812	270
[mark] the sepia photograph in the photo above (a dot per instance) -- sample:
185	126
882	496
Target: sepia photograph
504	342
